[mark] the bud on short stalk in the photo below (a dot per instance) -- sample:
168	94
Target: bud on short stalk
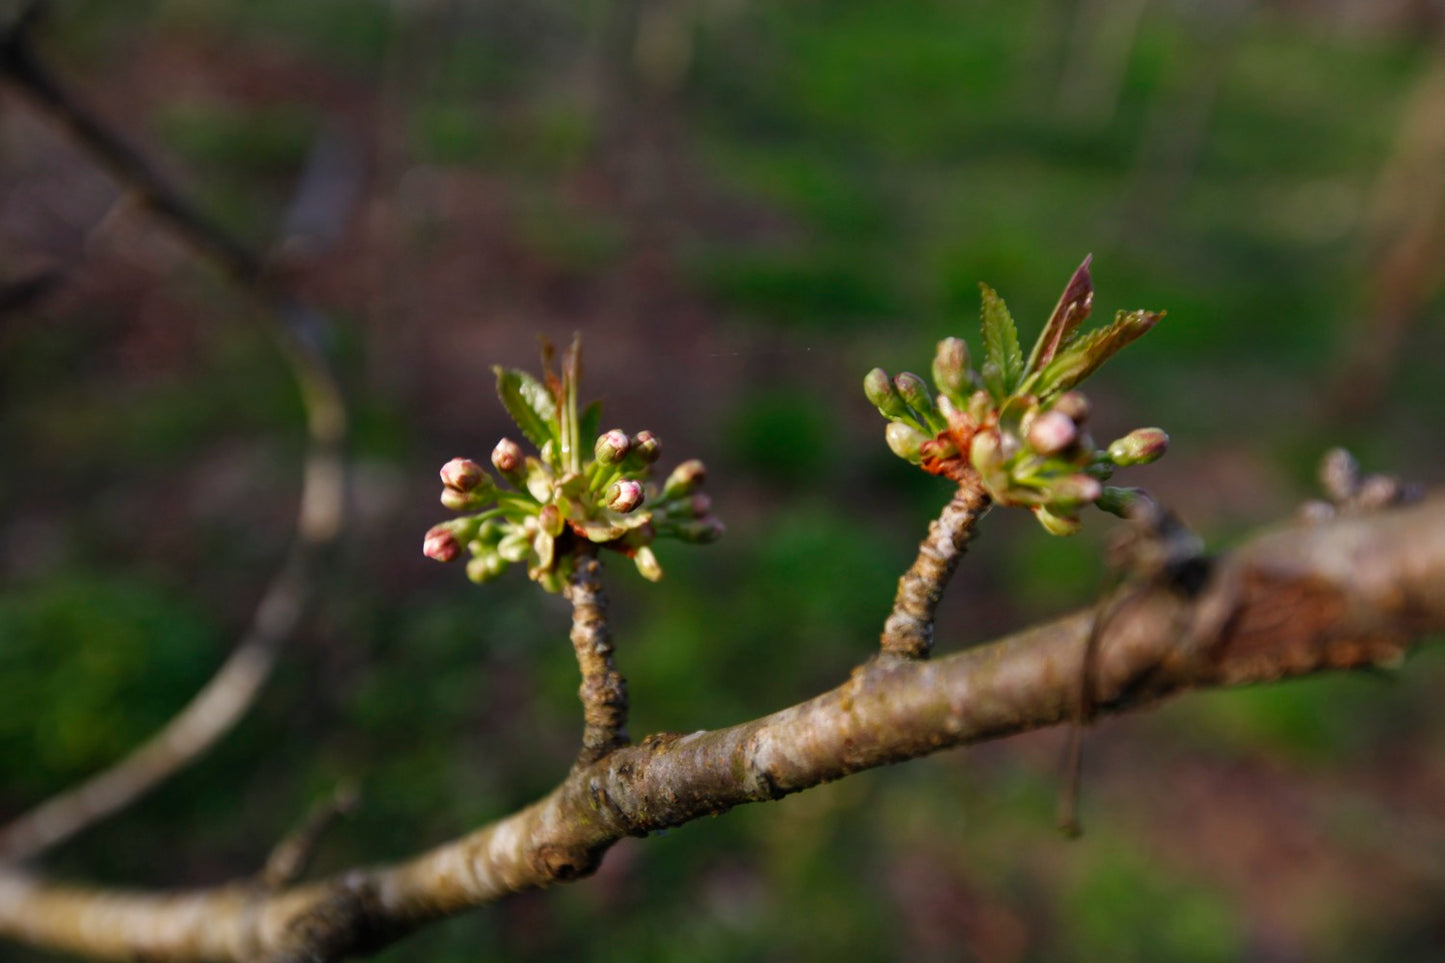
1052	432
612	447
1139	447
646	449
950	369
441	544
463	474
1074	404
461	501
884	396
905	441
685	479
509	459
624	496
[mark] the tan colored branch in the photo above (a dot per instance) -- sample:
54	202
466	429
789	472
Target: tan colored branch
908	630
216	708
603	690
1353	592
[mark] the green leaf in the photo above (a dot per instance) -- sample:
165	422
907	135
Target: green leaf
591	422
529	403
1084	356
1004	364
1074	306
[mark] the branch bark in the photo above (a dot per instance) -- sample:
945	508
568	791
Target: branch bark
603	690
1357	591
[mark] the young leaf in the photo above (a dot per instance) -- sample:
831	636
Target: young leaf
1073	307
529	403
591	422
1082	358
1004	358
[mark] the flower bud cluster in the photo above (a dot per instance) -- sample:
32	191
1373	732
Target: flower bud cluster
538	509
1019	429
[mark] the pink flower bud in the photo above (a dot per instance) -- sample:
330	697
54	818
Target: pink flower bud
1075	404
612	447
646	448
441	544
624	496
1139	447
462	474
1052	432
685	479
508	456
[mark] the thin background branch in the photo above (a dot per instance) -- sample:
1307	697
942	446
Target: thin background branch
298	329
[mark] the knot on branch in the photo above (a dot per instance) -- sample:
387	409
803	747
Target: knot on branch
559	863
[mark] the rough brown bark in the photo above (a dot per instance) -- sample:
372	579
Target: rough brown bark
1353	592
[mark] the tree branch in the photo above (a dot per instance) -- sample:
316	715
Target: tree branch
908	630
297	327
603	690
1353	592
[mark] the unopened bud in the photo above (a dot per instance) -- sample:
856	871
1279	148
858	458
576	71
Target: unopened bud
624	496
550	520
463	474
441	544
1075	404
1340	474
508	457
1139	447
1123	502
884	396
514	547
646	448
647	564
699	505
950	368
701	531
1072	491
612	447
1052	432
1057	524
685	479
461	501
905	441
914	391
485	567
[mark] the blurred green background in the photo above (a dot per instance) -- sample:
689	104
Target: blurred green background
742	206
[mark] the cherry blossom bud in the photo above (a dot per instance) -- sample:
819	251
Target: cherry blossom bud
624	496
685	479
485	567
463	474
1139	447
884	396
1052	432
645	448
550	520
1074	490
647	564
441	544
461	501
905	441
508	457
950	368
1057	524
1075	404
700	532
1340	474
699	505
612	447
